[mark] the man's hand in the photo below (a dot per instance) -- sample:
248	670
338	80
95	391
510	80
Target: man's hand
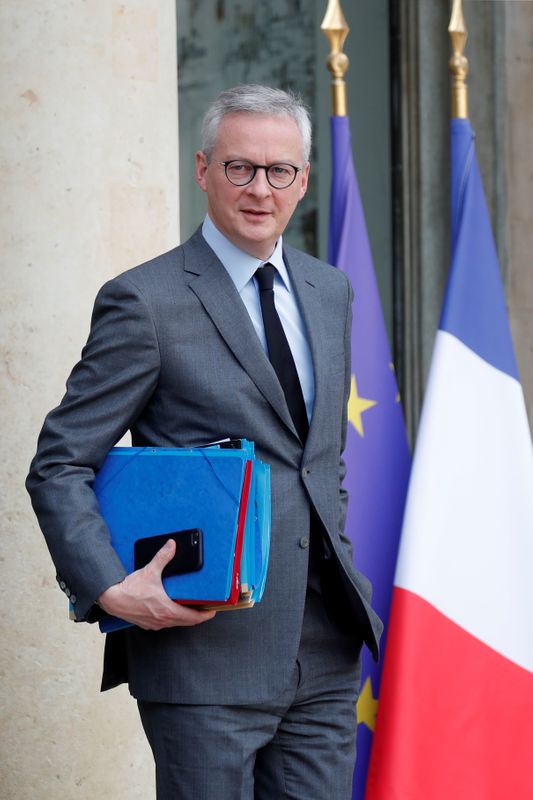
141	599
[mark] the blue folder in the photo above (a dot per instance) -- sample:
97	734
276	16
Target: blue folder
146	491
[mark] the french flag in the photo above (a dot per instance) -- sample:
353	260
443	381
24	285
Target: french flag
455	716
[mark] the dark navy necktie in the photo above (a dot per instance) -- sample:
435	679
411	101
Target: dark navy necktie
279	351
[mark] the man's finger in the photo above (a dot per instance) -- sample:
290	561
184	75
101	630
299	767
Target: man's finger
189	615
163	556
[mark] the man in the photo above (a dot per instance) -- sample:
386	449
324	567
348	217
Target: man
195	346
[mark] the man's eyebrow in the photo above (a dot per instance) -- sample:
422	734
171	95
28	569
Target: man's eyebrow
287	160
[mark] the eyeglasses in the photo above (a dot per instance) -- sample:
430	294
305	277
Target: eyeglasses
279	176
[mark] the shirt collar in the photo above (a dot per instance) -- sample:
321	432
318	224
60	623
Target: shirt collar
241	266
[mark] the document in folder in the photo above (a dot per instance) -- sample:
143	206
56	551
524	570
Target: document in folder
222	491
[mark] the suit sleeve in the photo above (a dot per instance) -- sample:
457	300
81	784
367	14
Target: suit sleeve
343	502
106	391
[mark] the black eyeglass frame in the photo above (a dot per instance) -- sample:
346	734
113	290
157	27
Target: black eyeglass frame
255	167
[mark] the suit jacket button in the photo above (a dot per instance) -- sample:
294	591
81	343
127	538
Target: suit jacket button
73	598
304	542
67	592
62	585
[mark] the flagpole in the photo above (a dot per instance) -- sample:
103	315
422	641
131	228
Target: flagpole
458	62
336	30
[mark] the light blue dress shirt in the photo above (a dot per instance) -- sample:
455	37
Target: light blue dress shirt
241	267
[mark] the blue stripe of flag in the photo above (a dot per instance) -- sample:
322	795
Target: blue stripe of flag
474	309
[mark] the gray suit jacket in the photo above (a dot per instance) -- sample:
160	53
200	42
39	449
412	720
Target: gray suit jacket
173	356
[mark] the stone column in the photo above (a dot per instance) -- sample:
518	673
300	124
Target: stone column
89	164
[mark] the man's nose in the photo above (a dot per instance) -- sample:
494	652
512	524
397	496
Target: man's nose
259	185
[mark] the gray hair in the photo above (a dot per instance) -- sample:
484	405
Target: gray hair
256	99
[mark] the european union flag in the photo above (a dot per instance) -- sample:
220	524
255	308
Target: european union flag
377	453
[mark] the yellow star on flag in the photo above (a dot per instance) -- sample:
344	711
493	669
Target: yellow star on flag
391	365
357	406
367	706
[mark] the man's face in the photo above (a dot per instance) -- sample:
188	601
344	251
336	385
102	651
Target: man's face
253	216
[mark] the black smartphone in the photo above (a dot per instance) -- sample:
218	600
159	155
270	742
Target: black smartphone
189	555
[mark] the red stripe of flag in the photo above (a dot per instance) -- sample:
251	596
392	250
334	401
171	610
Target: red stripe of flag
455	717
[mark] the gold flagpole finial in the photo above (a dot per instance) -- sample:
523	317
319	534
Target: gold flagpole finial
458	62
336	30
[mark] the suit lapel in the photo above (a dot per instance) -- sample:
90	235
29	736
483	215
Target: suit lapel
216	291
309	300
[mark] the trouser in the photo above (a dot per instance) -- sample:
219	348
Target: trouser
300	746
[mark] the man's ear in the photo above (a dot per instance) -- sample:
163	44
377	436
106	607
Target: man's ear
304	180
201	170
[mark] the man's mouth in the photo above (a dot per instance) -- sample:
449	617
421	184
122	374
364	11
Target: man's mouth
255	212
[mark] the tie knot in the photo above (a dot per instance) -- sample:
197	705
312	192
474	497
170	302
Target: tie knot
265	277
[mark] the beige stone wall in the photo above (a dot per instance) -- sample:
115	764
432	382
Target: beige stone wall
519	189
88	164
